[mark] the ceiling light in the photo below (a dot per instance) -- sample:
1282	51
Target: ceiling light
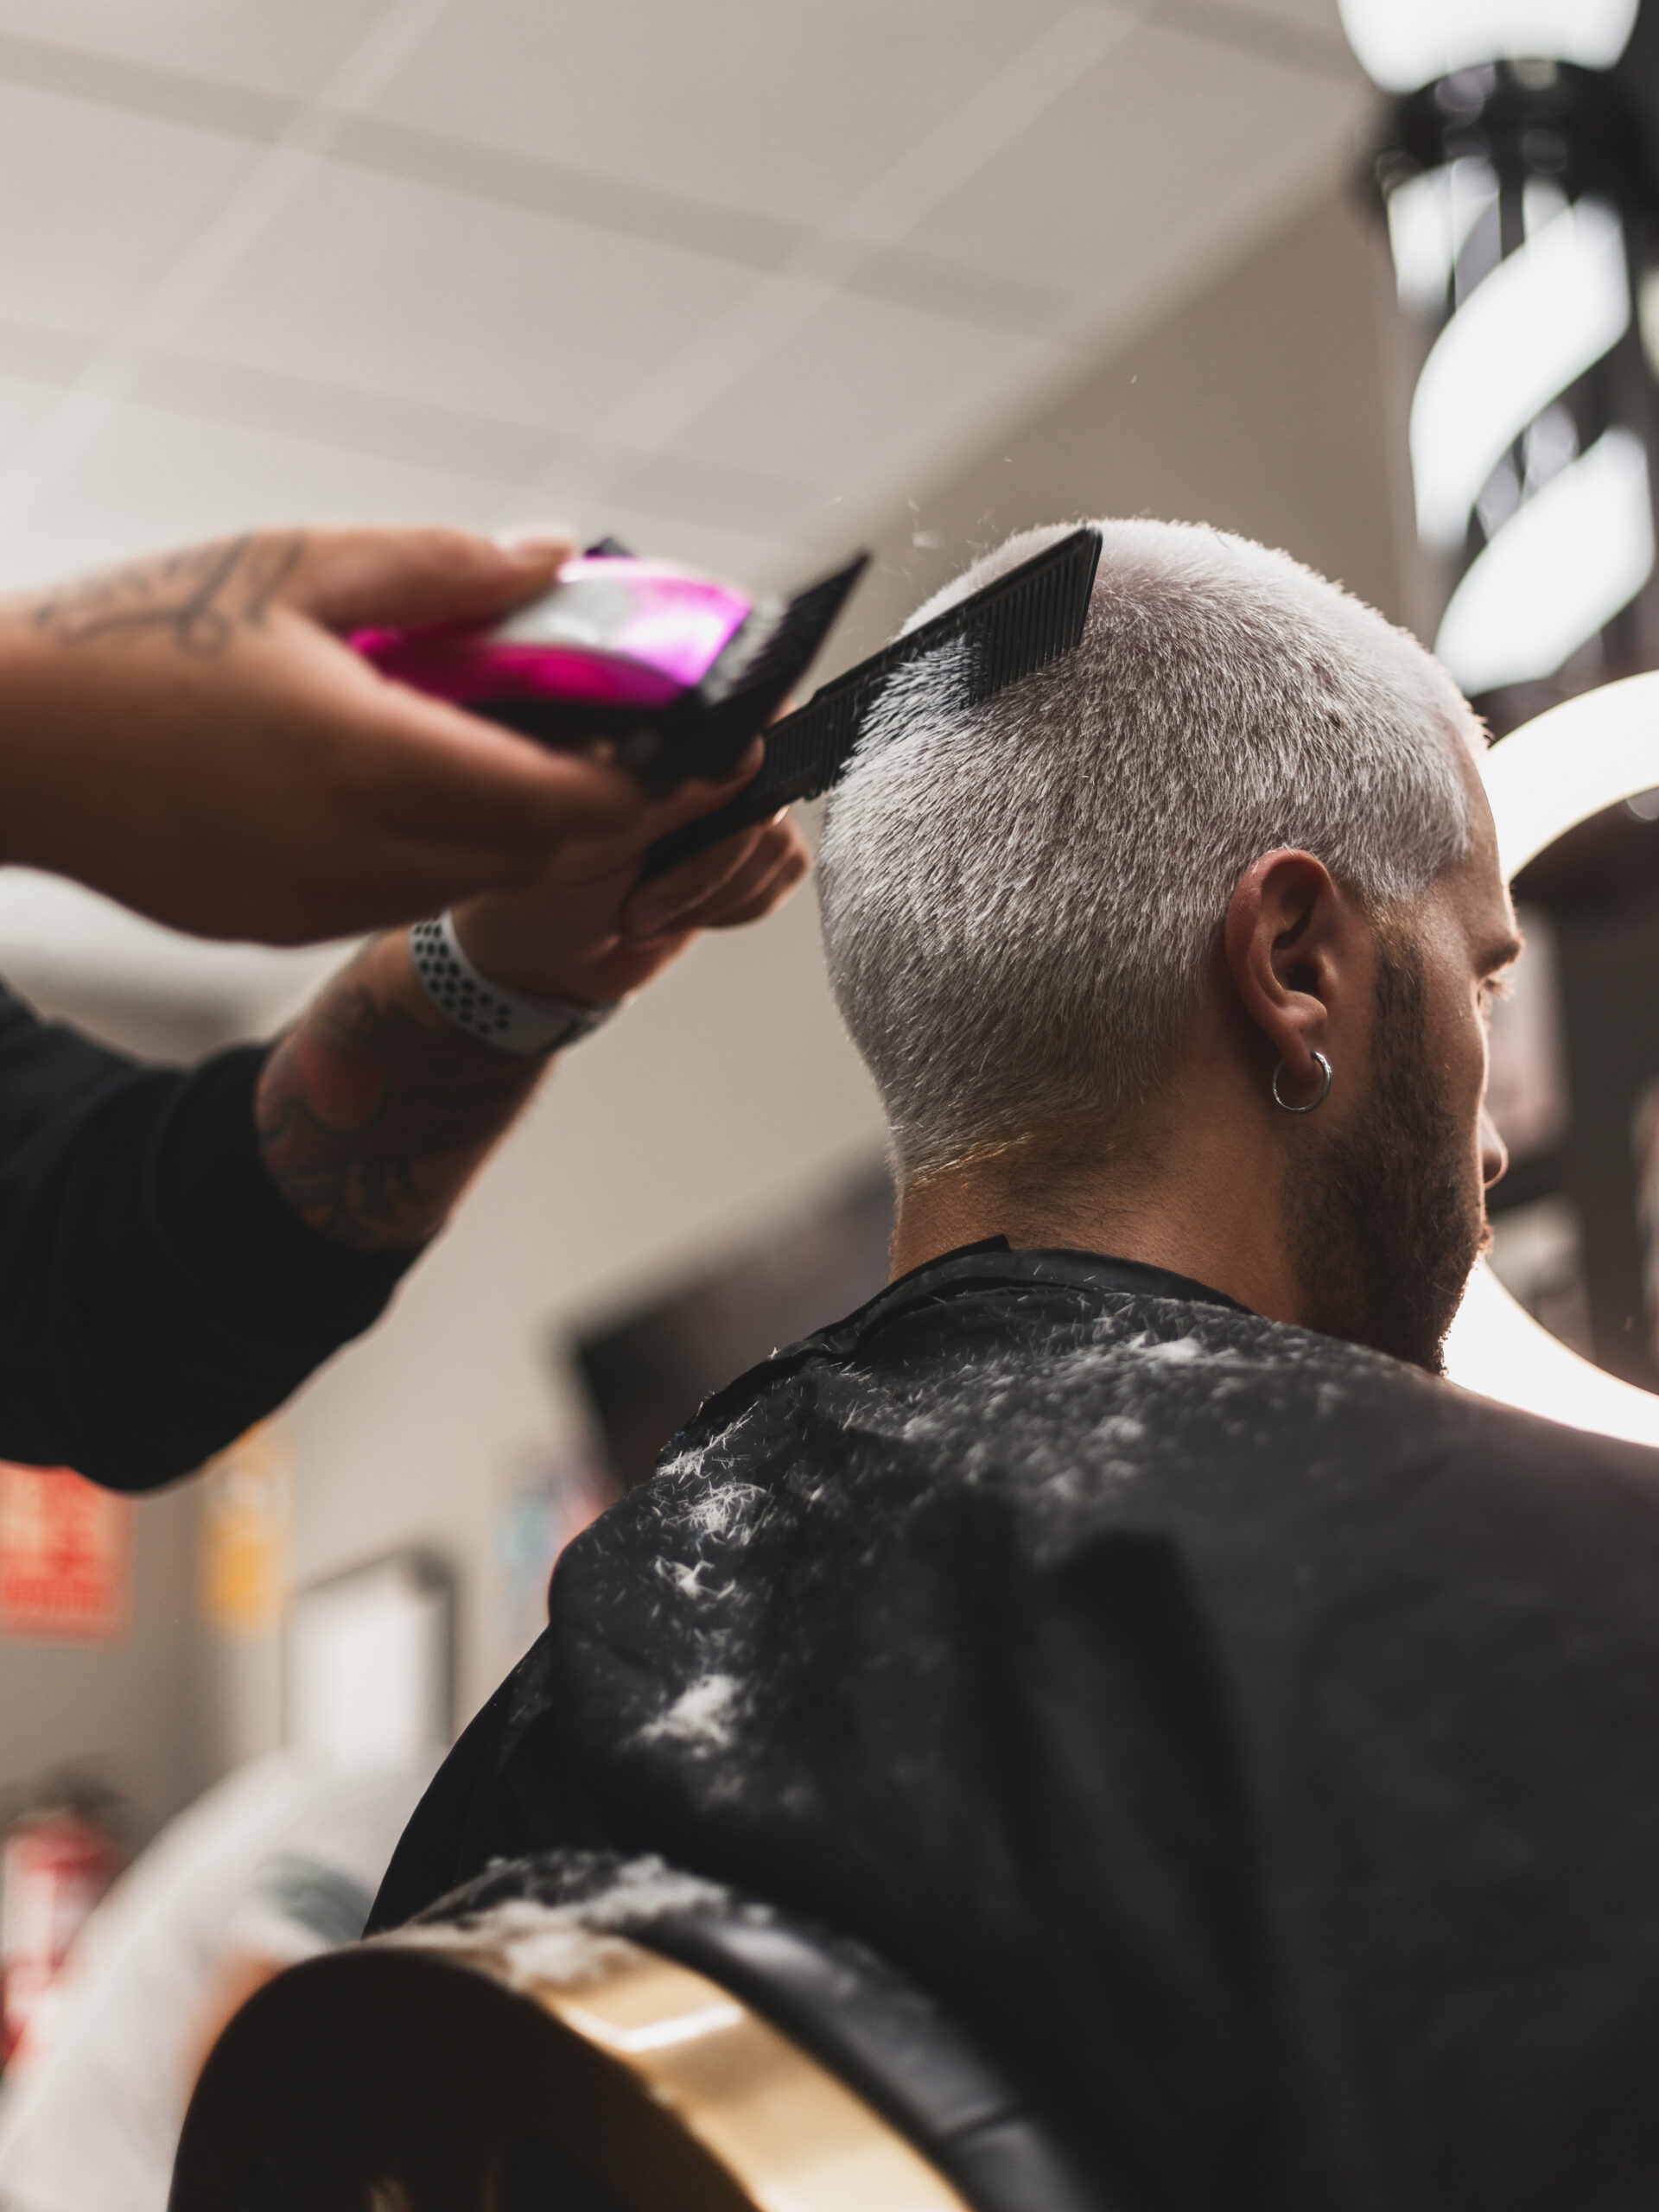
1406	43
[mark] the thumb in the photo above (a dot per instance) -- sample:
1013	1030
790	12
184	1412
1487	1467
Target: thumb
350	579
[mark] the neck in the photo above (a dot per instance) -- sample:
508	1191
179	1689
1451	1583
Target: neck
1190	1187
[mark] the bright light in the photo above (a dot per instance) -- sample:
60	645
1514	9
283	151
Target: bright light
1565	766
1560	770
1554	306
1405	43
1496	1348
1558	571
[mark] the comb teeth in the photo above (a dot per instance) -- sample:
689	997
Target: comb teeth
1037	619
1013	627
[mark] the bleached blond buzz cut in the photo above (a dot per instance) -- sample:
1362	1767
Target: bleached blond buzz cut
1019	897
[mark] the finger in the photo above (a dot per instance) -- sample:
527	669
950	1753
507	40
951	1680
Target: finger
430	769
782	847
660	817
701	796
352	579
779	847
656	906
764	897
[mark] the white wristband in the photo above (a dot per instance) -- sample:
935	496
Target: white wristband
500	1015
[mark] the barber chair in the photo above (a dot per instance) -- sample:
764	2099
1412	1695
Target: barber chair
586	2034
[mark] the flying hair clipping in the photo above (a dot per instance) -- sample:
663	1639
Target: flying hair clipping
1012	627
677	671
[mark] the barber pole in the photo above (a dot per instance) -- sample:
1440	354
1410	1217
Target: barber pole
1514	182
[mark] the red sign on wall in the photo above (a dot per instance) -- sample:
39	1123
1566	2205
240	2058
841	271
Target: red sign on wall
65	1553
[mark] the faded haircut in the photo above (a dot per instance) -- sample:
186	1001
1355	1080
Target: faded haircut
1019	897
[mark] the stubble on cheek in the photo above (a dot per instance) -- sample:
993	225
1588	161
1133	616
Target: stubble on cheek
1387	1220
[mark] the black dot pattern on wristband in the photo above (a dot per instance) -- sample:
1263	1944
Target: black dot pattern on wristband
508	1019
452	990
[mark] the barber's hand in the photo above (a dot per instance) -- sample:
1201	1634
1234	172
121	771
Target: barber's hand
584	931
190	734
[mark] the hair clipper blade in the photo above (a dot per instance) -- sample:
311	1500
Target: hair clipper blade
708	733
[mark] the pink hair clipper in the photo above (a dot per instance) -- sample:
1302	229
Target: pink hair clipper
678	671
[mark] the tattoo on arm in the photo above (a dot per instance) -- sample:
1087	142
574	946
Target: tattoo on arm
371	1118
200	597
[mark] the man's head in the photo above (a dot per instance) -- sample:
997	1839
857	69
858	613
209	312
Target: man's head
1240	824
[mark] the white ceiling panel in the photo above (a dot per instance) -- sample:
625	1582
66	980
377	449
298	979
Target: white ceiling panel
865	392
93	201
730	280
724	272
761	563
787	109
155	477
1091	196
378	284
282	46
1319	16
21	401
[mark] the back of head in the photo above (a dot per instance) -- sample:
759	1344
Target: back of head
1020	897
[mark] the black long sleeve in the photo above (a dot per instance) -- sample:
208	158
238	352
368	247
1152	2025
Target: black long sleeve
157	1294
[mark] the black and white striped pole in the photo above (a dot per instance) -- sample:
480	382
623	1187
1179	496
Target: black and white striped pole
1514	184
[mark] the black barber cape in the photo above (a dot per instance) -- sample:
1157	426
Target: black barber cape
157	1294
1255	1741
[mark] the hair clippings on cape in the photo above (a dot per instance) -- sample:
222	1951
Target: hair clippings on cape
677	670
1012	627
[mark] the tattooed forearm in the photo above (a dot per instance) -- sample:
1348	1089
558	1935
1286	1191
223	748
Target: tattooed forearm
200	597
373	1115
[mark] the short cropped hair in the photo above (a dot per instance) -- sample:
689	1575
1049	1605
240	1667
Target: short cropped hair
1019	897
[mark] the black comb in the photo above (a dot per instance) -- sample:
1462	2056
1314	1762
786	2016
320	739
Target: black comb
1013	627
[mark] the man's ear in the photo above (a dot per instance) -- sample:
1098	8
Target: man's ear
1287	944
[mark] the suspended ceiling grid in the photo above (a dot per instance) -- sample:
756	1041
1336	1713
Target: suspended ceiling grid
731	281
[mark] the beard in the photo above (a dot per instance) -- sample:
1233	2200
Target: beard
1387	1219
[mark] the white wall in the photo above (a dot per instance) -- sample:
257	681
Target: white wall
122	1713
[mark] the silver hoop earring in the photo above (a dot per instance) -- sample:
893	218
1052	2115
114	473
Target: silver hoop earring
1280	1100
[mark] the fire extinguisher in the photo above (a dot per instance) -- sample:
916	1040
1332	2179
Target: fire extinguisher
56	1861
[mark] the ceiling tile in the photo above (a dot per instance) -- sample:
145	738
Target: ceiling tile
280	47
676	484
1322	16
1301	34
377	284
445	438
92	202
1157	144
155	478
787	110
760	563
865	392
22	402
